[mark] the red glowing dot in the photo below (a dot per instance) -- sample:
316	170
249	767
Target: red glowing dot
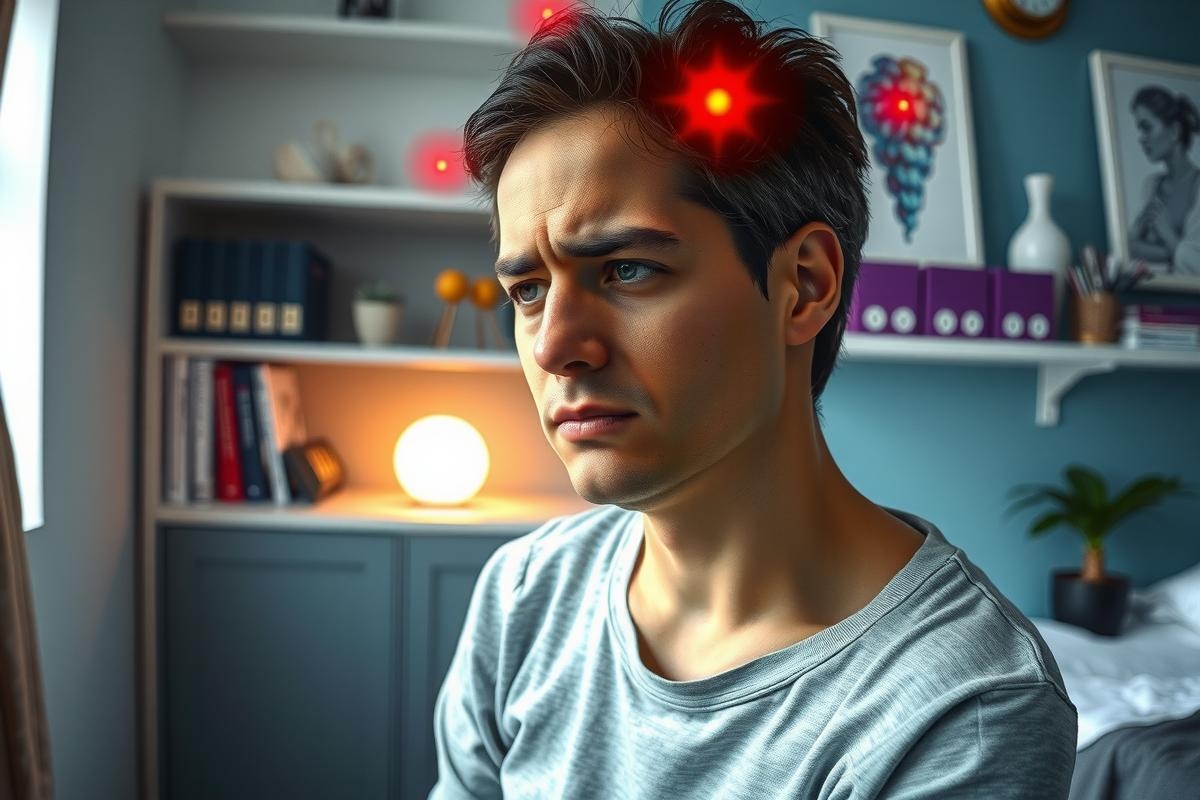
903	104
718	101
526	16
435	160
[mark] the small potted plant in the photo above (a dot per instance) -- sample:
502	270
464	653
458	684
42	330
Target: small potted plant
378	313
1091	598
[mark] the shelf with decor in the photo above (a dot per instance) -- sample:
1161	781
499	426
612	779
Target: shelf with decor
293	40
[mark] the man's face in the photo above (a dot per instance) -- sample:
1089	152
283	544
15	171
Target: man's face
679	338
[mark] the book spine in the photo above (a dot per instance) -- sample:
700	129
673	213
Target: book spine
229	468
201	417
175	433
216	295
266	297
272	453
1166	315
253	479
188	288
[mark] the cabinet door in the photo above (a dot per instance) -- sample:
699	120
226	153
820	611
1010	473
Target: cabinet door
280	664
440	573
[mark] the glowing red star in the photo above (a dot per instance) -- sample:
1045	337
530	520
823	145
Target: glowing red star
718	101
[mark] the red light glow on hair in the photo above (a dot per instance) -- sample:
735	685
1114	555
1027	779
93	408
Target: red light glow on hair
435	162
717	102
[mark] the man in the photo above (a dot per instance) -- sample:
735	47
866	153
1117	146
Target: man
735	620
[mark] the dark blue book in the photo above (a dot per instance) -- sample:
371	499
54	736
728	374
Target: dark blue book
254	476
304	273
266	291
215	291
241	288
187	288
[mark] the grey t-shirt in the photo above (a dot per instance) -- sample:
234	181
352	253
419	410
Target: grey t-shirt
939	687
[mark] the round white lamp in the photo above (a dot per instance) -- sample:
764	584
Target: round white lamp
441	460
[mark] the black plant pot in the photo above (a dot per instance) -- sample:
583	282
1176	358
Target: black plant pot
1098	607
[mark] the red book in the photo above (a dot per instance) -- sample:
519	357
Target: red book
229	465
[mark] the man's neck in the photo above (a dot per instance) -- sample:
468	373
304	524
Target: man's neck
790	545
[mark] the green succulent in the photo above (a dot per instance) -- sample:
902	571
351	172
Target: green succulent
379	292
1085	506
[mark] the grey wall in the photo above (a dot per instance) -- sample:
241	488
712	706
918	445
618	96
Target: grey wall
114	125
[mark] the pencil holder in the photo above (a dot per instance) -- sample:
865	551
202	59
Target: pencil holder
1095	318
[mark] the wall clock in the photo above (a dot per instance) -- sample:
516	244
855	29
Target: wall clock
1028	19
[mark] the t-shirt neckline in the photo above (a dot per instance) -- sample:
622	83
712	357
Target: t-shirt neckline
768	672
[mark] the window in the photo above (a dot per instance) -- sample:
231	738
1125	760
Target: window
24	145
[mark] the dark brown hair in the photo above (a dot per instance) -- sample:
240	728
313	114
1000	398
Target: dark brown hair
808	164
1170	109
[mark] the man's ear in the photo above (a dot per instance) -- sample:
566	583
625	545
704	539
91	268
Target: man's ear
811	267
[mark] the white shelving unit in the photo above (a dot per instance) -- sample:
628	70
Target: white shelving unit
273	39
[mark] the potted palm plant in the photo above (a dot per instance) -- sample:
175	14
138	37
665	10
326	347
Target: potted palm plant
1091	598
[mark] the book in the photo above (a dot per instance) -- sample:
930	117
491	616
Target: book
229	464
215	287
1163	314
282	422
266	290
175	431
187	288
302	281
242	278
254	479
200	419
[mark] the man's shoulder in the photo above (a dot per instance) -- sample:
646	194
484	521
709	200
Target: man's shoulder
961	622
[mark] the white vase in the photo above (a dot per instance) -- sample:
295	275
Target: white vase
377	322
1039	245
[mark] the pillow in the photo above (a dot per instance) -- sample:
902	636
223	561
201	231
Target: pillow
1177	597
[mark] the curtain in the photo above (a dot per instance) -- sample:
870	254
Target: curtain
24	736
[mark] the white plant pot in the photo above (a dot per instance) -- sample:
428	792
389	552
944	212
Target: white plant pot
377	322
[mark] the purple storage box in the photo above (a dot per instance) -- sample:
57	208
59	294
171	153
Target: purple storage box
1022	305
954	302
886	299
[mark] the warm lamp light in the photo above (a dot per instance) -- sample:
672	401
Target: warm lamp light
441	460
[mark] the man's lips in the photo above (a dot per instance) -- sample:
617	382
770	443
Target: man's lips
580	413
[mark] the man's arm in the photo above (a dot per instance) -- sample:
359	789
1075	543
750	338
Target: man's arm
1014	743
470	747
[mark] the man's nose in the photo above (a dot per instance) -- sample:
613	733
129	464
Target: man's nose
571	334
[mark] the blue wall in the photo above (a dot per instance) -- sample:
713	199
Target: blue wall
947	442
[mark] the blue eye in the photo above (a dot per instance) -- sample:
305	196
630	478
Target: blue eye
626	272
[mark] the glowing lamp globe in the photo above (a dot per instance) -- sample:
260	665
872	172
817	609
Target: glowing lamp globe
441	460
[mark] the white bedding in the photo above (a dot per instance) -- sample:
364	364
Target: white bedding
1151	673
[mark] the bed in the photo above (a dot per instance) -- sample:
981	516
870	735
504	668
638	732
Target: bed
1138	696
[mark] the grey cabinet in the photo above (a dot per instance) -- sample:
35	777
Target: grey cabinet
306	665
439	574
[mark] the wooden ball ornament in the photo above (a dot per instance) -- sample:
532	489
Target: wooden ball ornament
451	286
485	294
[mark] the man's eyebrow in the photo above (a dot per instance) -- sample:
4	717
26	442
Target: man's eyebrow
601	245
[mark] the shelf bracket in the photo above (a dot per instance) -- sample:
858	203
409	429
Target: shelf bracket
1055	380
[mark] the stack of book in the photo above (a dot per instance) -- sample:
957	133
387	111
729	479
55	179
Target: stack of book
250	288
226	427
1161	327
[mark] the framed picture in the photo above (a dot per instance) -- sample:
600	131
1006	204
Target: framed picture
914	108
1148	129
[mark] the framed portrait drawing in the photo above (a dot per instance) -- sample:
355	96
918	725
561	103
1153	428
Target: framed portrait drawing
914	109
1148	131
